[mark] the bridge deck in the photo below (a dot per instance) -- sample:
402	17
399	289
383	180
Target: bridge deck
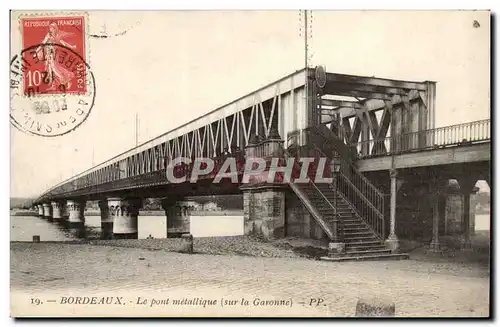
433	157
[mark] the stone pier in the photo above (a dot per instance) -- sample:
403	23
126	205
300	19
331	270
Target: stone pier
76	219
40	210
125	213
47	211
178	216
106	220
264	212
263	202
57	211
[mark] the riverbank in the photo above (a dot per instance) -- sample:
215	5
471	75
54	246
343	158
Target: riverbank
225	245
52	270
450	260
20	212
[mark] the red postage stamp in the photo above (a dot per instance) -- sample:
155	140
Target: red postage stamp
57	53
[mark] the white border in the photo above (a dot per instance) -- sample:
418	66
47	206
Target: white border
255	4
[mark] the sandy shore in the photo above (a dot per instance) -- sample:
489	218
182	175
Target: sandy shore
51	271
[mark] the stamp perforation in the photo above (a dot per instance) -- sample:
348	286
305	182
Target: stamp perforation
61	55
58	14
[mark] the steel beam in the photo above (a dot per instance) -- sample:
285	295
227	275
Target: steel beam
373	81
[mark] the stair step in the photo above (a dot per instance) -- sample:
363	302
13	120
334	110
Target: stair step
328	211
323	206
362	243
352	253
352	226
367	232
356	231
321	203
359	225
360	238
365	248
352	222
316	199
356	228
389	256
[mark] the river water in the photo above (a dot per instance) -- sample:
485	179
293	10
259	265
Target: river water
22	228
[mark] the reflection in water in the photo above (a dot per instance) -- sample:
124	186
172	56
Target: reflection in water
22	228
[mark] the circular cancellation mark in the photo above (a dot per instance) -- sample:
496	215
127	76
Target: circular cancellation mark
52	90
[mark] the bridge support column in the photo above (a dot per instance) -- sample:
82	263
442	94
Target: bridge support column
472	224
125	213
40	210
47	211
438	188
76	218
65	213
466	221
392	241
178	217
264	212
57	211
467	184
106	220
263	202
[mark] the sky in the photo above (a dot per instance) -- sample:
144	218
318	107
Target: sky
169	67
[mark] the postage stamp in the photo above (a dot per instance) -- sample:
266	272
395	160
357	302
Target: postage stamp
52	85
54	70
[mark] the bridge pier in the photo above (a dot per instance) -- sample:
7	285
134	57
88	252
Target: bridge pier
64	213
76	219
106	220
178	217
467	184
438	188
264	203
125	213
264	212
47	211
40	210
57	211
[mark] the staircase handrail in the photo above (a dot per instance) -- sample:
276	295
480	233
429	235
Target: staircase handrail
350	183
298	192
369	208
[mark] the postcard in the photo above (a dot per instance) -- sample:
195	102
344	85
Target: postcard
294	163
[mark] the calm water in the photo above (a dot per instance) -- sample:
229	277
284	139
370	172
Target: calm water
22	228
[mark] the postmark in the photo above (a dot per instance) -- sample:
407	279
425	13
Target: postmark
52	85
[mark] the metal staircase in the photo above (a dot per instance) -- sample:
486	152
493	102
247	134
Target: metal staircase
350	210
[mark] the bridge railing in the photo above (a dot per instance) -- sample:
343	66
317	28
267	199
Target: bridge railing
453	135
